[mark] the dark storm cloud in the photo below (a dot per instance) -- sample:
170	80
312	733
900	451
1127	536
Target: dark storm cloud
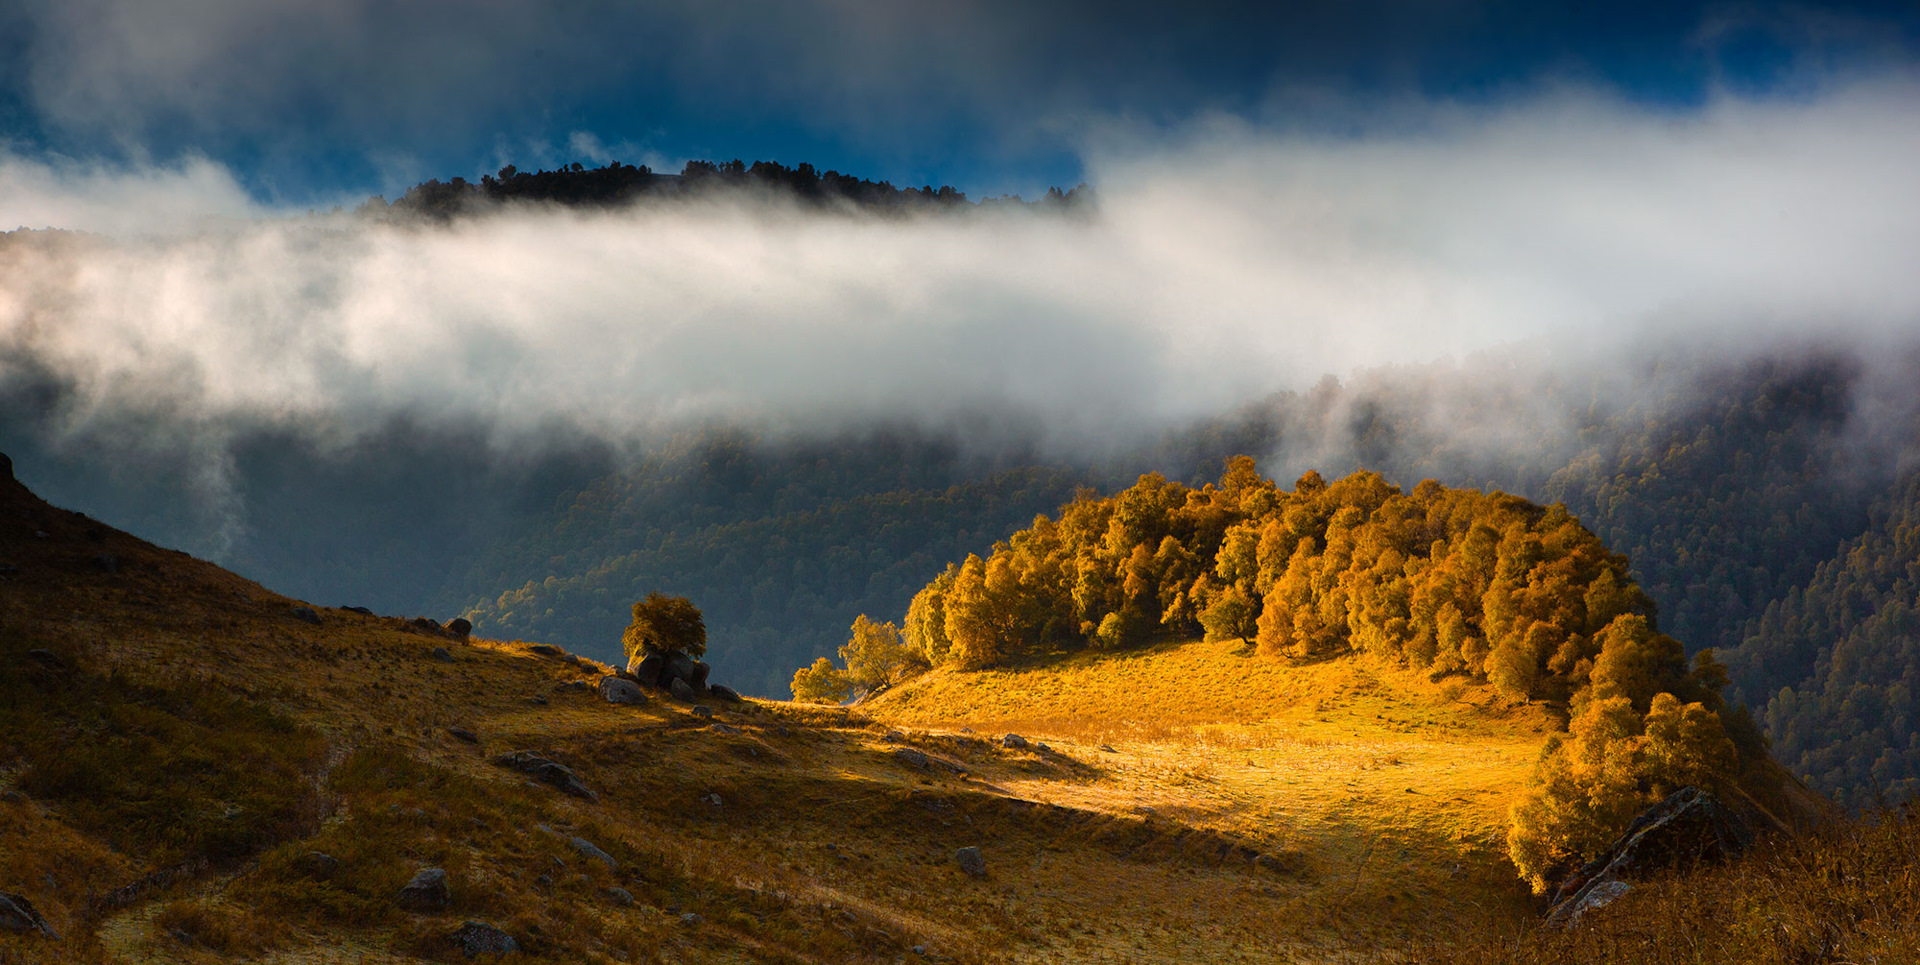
285	90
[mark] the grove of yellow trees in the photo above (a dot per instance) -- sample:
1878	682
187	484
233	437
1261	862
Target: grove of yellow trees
1486	586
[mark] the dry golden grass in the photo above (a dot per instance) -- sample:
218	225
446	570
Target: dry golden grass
1391	791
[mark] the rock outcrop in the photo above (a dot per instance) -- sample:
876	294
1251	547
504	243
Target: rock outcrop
677	673
1689	826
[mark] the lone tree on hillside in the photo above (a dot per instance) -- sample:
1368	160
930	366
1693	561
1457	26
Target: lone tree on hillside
663	625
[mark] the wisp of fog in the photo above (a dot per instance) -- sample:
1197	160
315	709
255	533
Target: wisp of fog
1221	261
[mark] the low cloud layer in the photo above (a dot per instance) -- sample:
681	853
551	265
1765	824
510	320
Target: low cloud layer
1220	264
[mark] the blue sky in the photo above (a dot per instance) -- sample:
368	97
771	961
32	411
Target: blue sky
309	101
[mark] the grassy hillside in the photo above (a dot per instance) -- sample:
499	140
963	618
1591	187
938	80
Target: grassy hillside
186	742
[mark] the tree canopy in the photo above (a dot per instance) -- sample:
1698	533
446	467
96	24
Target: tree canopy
665	624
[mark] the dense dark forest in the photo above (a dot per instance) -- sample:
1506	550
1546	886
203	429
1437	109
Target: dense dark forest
616	183
1834	665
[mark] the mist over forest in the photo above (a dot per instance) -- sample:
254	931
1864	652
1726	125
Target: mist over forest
796	395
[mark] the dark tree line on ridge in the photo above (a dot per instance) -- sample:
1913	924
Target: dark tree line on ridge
616	184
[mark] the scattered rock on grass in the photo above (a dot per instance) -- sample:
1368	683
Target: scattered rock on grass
426	892
621	896
475	938
719	692
702	710
587	849
442	654
912	758
363	611
318	864
1600	894
460	627
681	690
1014	742
618	690
557	775
691	919
18	915
306	614
544	650
970	861
1291	863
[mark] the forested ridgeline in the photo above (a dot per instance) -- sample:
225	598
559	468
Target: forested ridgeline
1486	586
1834	666
616	183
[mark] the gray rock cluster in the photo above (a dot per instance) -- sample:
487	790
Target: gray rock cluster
1688	826
678	674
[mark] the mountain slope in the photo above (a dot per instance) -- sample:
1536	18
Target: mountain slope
187	741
